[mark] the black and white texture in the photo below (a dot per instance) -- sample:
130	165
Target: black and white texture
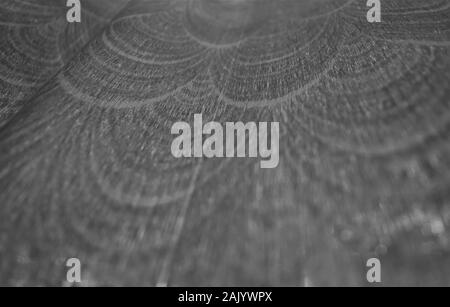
86	169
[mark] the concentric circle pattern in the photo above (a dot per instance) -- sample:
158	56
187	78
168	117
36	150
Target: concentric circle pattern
37	41
85	163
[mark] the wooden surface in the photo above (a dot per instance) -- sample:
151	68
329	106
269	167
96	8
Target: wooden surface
85	163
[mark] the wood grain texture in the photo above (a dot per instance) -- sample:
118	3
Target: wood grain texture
37	42
85	163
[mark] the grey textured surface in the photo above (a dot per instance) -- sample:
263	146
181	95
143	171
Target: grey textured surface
85	163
